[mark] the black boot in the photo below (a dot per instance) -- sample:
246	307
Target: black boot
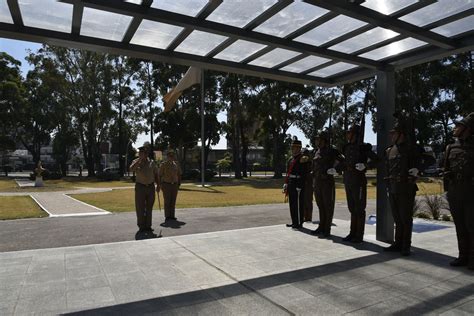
347	238
393	248
459	262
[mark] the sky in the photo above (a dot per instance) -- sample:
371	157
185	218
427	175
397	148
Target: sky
19	50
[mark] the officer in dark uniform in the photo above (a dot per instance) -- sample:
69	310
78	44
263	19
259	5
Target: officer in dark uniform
459	183
403	160
325	160
308	191
356	162
298	167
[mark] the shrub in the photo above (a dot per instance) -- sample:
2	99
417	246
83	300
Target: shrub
424	215
417	207
446	217
435	204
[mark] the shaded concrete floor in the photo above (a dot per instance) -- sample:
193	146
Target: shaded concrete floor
269	270
60	232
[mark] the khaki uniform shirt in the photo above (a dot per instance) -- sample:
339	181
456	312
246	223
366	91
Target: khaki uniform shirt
146	173
170	172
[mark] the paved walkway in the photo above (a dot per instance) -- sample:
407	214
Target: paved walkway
269	270
60	204
40	233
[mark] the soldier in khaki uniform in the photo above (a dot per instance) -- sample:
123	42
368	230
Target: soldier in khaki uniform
146	172
170	176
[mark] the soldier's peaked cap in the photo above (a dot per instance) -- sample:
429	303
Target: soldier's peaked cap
295	141
145	147
468	121
323	134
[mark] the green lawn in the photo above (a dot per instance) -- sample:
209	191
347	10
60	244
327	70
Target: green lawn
229	193
68	183
16	207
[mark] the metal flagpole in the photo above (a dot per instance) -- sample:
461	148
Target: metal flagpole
203	167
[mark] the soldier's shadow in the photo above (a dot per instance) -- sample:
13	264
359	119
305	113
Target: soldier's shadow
174	224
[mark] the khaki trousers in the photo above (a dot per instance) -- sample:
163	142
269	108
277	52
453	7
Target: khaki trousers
170	192
144	200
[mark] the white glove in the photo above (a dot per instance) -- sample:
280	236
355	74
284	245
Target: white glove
331	172
360	166
413	172
285	187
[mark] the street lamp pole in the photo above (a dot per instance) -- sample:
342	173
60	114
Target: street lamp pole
126	156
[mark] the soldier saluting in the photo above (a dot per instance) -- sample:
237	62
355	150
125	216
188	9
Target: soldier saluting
459	183
357	155
326	159
299	166
403	160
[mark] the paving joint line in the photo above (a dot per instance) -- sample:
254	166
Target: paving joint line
237	281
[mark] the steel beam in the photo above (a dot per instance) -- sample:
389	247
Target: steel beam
15	12
377	19
119	48
225	30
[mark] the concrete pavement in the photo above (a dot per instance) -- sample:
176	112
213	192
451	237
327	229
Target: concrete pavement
73	231
269	270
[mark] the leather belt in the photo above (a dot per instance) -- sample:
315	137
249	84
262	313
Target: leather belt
294	176
145	185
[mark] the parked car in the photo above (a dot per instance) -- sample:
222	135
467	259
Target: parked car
432	171
109	174
195	174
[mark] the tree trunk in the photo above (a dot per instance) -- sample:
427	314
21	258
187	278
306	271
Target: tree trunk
245	149
277	166
235	134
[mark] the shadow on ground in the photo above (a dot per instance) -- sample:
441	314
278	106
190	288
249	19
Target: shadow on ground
249	295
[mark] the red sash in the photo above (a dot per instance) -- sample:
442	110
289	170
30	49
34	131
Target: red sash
293	163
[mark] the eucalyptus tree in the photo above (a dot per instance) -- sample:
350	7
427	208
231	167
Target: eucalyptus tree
11	98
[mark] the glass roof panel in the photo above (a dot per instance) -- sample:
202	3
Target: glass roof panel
332	70
134	1
290	19
305	64
363	40
394	48
155	34
187	7
240	12
239	50
330	30
437	11
273	58
200	43
457	27
388	6
5	12
47	14
106	25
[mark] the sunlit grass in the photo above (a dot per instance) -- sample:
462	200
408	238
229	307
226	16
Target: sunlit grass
16	207
232	193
